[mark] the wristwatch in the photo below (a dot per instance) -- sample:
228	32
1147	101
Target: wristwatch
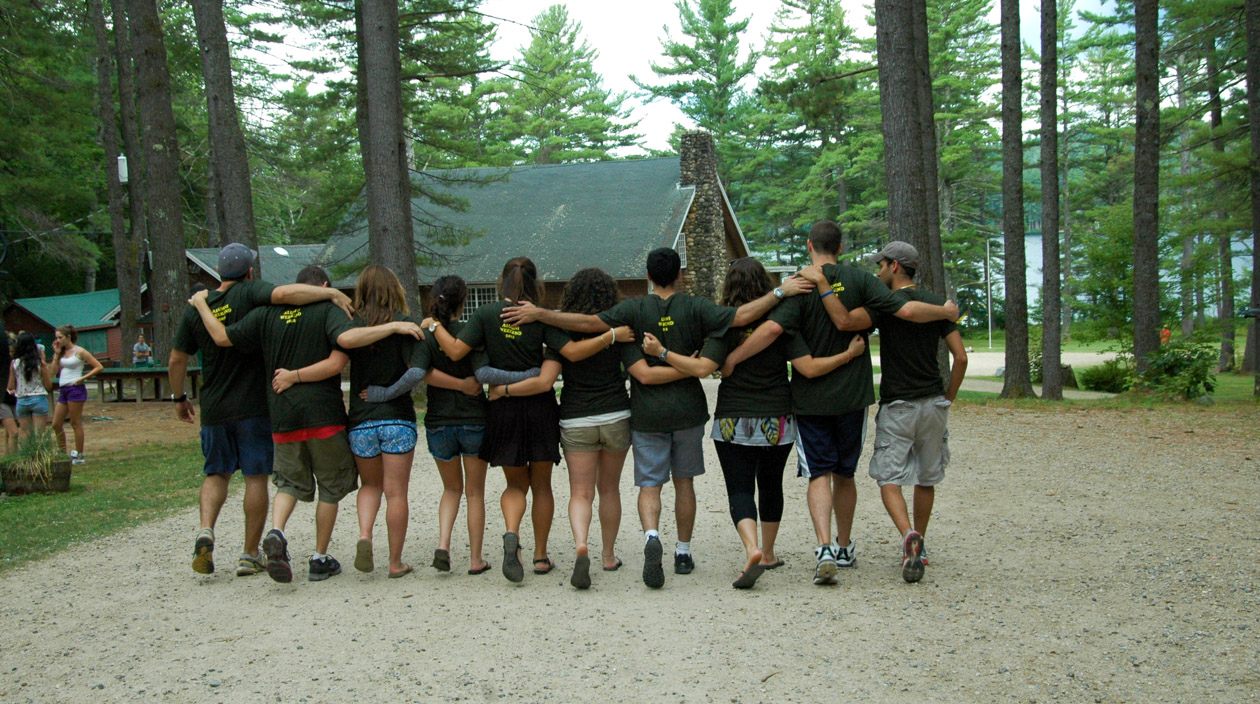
663	355
778	293
432	327
182	397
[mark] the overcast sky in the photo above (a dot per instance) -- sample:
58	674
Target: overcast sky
629	41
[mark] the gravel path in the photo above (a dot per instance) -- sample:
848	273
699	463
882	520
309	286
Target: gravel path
1077	555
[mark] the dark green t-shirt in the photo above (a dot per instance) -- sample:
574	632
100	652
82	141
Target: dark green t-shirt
759	387
682	323
292	337
594	385
849	387
907	352
448	406
511	348
380	364
234	383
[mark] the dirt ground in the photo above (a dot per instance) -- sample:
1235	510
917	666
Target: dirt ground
1078	556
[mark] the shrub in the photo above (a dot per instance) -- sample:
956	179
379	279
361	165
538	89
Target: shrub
1184	369
1113	376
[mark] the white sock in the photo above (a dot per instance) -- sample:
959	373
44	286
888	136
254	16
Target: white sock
648	535
683	548
318	556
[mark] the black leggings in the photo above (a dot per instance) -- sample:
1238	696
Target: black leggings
750	468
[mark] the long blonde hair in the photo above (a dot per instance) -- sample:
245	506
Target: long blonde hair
378	296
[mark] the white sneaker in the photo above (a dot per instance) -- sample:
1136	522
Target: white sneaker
826	571
76	458
845	556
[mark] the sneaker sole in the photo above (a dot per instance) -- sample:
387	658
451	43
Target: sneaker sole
321	576
278	568
203	555
912	564
581	573
827	573
653	572
512	568
249	571
363	556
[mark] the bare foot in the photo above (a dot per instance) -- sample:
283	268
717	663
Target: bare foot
612	563
769	559
754	559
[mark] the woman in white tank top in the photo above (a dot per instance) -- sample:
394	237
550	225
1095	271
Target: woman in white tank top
73	366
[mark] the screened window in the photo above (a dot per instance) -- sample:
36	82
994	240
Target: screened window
477	297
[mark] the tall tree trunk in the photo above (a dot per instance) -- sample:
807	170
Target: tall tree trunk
1067	296
390	240
899	118
1200	282
1017	382
138	249
1186	272
931	274
1252	9
1051	341
227	144
1146	183
125	266
1224	240
168	285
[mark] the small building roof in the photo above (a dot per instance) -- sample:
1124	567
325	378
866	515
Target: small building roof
82	310
565	217
280	264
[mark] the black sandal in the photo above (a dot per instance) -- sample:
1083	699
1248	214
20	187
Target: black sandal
544	561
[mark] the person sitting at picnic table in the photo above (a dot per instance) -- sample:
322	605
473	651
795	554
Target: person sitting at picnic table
141	353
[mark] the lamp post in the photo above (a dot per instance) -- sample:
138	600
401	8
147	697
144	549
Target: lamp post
122	168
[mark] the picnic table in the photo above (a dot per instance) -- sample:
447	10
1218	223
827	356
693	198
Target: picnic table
116	376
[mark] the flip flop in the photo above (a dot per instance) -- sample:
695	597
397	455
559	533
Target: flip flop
773	565
581	573
543	561
482	570
363	555
615	567
442	560
512	568
748	577
404	571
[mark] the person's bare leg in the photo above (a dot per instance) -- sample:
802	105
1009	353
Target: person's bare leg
76	422
255	505
747	530
58	424
475	492
685	507
844	495
608	484
325	519
923	498
372	486
583	468
41	422
397	482
650	507
895	503
818	496
452	475
281	508
544	506
769	533
513	500
214	491
10	435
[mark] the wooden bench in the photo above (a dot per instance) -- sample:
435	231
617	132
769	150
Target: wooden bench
116	376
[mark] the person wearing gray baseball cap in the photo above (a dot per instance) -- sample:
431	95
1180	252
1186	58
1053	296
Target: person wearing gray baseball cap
235	428
896	251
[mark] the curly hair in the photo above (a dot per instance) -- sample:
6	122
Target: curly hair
448	295
590	291
746	281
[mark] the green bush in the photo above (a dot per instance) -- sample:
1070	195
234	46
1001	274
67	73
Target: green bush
1113	376
1183	369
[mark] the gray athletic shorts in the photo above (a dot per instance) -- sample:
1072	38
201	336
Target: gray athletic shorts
7	412
659	456
911	442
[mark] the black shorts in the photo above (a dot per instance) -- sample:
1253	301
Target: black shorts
830	444
522	429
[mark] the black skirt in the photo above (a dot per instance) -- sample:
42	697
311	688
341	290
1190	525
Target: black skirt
522	429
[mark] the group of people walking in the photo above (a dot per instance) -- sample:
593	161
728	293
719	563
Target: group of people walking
491	402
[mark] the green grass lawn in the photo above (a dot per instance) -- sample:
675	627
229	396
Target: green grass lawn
111	493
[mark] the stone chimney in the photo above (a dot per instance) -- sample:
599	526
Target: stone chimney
703	230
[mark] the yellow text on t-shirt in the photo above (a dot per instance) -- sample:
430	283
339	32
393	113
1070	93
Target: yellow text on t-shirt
665	323
222	312
291	315
511	332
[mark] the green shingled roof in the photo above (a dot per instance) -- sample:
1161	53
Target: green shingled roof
82	310
277	269
565	217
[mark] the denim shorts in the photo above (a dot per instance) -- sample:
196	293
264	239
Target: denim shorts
28	406
393	437
446	442
243	444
